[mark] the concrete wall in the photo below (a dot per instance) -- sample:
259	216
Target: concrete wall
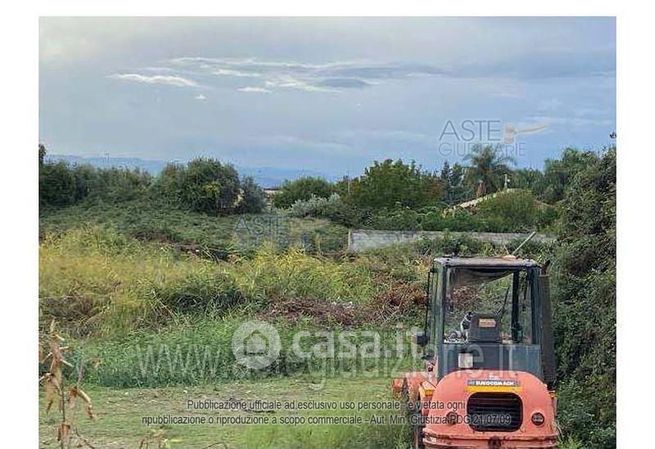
363	239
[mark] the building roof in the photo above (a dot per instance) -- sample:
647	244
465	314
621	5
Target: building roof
491	262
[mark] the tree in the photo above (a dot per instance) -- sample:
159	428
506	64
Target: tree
209	186
253	199
452	181
445	173
558	173
395	184
488	167
56	184
302	189
527	178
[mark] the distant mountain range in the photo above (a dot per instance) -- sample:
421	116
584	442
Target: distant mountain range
264	176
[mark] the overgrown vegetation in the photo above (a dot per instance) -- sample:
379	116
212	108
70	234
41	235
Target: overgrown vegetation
391	184
203	185
206	185
388	195
104	280
585	305
302	189
129	263
205	235
403	196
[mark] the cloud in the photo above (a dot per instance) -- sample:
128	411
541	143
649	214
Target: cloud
347	83
170	80
337	76
573	121
309	77
289	82
308	145
236	73
253	89
382	71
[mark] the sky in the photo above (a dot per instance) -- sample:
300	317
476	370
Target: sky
326	94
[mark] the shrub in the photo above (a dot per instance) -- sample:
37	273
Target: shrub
559	173
62	185
332	208
120	282
117	184
302	189
584	304
210	187
390	184
399	219
253	199
455	244
514	210
56	184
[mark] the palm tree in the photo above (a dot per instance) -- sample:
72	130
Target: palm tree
488	167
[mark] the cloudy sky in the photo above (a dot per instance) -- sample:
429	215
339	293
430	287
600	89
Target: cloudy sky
329	95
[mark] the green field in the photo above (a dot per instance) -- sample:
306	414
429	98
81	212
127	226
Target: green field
119	417
214	236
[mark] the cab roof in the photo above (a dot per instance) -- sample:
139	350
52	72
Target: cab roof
486	262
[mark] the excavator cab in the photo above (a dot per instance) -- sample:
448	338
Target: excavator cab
489	357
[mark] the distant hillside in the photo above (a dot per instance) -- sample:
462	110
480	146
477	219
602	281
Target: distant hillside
264	176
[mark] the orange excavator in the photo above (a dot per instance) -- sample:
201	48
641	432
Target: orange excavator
489	357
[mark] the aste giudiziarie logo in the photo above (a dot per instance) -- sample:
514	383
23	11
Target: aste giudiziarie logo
460	137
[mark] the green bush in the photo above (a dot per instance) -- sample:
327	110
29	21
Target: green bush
317	207
456	244
210	187
63	185
559	173
302	189
508	212
398	219
392	184
253	199
56	185
332	208
515	210
584	293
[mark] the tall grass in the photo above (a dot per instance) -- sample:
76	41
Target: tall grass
199	352
99	280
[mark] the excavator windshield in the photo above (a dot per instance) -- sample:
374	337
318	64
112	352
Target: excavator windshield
486	313
487	304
